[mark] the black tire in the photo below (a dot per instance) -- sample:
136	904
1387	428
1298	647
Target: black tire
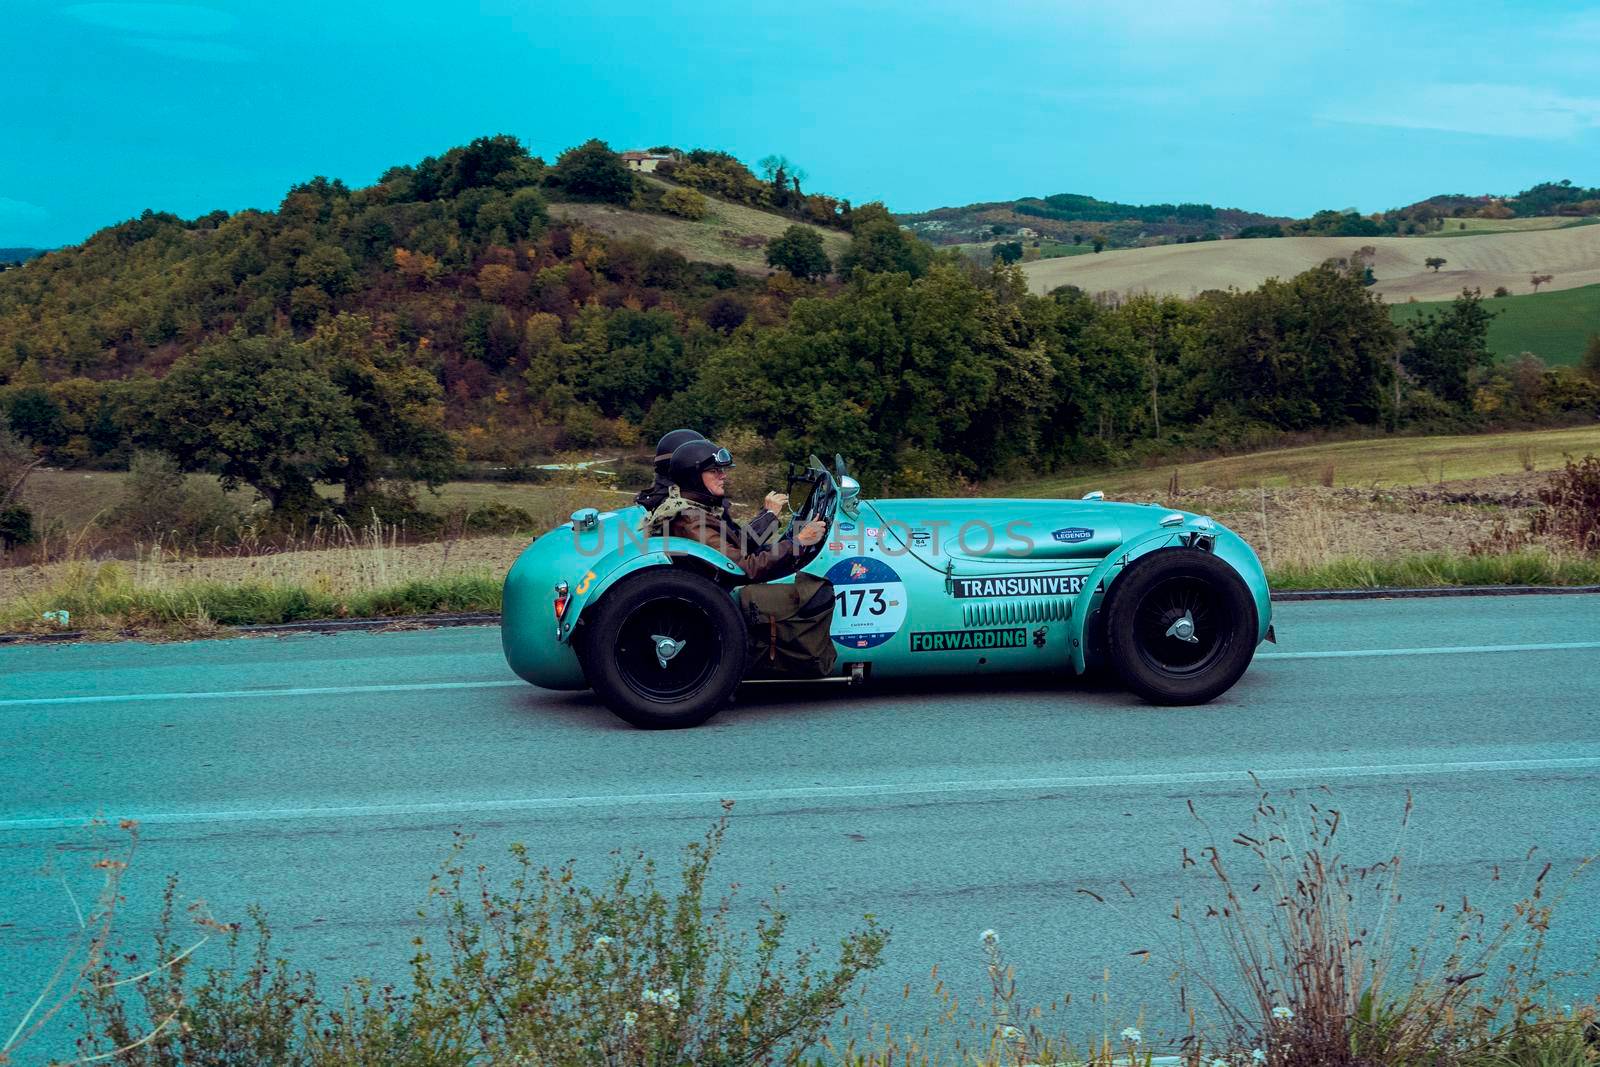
1145	641
622	661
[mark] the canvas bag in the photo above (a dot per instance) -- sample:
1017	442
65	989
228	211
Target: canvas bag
790	627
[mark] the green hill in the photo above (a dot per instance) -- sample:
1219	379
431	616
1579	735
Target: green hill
1553	326
1076	220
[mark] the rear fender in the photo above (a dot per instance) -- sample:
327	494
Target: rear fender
611	568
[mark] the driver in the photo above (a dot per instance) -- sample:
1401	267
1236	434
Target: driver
759	528
697	469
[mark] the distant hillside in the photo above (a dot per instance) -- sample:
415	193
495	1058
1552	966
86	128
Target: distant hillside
1076	219
553	303
1570	256
20	255
727	233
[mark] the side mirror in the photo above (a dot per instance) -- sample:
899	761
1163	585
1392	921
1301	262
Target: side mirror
849	493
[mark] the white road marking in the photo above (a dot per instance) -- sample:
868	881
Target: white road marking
252	694
420	687
1443	650
1236	776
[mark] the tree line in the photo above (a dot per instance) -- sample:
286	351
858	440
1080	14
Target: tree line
443	315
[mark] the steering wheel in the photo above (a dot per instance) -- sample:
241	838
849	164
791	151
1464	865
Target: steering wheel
818	504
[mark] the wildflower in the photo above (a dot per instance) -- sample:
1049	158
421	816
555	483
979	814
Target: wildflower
629	1018
1257	1056
1282	1014
989	937
1132	1035
667	998
1010	1033
602	942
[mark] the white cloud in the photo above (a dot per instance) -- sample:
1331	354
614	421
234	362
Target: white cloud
1493	110
186	20
20	211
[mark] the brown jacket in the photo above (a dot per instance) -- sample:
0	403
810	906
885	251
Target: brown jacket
760	563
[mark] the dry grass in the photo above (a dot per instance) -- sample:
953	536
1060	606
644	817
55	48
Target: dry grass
713	239
1572	255
1386	462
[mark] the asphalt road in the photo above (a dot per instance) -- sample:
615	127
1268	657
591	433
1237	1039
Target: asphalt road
322	778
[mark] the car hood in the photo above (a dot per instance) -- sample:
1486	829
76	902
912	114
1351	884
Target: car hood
1015	530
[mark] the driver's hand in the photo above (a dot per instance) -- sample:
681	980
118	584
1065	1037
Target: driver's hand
776	502
811	532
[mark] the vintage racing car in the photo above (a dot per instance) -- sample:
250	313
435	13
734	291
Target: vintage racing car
658	626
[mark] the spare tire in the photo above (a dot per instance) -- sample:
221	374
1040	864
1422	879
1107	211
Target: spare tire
1180	626
664	648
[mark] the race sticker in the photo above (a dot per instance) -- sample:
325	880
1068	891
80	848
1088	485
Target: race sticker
1021	585
869	602
964	640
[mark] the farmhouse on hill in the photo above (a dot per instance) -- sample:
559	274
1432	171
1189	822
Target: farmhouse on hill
645	162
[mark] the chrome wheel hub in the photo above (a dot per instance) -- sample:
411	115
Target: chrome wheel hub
1183	629
666	648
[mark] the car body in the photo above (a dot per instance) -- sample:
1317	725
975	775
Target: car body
921	586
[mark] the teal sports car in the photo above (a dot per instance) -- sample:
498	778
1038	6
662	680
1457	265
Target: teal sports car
1174	603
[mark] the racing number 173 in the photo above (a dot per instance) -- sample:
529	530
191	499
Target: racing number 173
872	599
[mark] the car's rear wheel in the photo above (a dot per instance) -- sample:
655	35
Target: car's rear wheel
1181	627
664	649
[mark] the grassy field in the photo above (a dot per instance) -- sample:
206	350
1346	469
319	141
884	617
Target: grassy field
1469	227
74	498
727	234
1484	260
1553	326
1380	462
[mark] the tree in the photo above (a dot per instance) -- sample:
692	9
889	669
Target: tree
398	408
280	416
1099	242
1540	279
592	170
799	251
1314	351
260	412
879	245
1007	252
1590	364
685	203
1435	262
16	462
36	417
1446	345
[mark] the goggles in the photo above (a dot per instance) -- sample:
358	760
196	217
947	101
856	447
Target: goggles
720	458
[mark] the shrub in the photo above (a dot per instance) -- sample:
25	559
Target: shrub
16	526
541	970
1571	511
159	502
685	203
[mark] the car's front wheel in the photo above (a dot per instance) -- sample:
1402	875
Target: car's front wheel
1181	626
664	649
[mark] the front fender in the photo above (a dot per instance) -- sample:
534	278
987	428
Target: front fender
1225	545
608	570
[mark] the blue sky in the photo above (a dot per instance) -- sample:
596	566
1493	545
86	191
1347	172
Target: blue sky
109	108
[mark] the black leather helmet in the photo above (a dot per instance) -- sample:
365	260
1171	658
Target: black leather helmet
691	459
669	443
